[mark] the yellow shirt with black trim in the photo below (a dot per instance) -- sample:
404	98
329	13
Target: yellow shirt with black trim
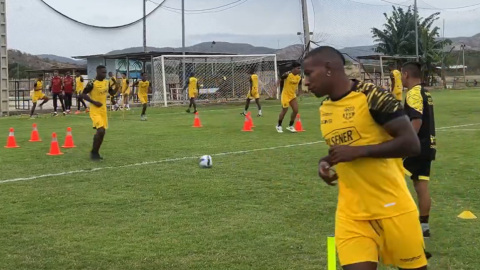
143	88
398	87
38	86
192	87
369	188
290	85
113	83
419	105
79	84
99	92
125	86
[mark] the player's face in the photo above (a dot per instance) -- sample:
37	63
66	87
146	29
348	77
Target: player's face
296	71
144	77
316	78
123	76
405	78
55	73
101	73
68	74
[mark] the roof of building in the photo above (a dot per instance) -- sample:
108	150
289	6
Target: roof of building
82	70
146	55
385	57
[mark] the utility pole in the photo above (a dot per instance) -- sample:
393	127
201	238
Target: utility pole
444	82
463	64
144	26
183	43
416	29
306	27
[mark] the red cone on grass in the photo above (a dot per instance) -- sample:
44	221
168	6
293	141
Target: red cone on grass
247	125
34	136
249	115
298	124
69	139
196	121
54	147
11	142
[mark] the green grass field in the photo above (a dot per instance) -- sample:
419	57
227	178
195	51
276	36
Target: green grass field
262	205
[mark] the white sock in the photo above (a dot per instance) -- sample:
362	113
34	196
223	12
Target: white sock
259	111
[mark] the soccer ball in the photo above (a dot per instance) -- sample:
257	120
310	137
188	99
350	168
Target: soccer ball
205	161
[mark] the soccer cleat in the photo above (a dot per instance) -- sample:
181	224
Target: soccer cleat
291	129
143	118
428	254
95	157
279	129
259	115
77	112
188	110
64	113
55	114
195	111
243	114
32	117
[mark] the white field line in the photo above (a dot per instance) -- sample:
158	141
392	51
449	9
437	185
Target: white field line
461	129
466	125
35	177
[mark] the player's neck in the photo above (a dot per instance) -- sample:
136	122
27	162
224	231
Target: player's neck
341	89
415	83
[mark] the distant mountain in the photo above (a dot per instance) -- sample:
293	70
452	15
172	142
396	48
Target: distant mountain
472	43
62	59
30	61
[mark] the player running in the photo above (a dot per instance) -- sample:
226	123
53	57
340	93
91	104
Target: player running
419	108
125	92
396	77
56	88
96	93
38	95
79	89
113	85
68	83
144	87
253	93
291	84
368	135
193	88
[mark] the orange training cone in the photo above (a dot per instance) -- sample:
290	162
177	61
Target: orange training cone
249	115
35	137
196	122
69	139
298	125
247	125
54	147
11	142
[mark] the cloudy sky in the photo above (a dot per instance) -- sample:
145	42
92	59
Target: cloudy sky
34	28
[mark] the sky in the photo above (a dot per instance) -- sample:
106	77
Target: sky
34	28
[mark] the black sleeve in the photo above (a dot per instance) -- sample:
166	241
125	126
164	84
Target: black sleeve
285	76
414	103
128	82
383	106
35	85
81	79
88	88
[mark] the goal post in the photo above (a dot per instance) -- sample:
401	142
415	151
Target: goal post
221	78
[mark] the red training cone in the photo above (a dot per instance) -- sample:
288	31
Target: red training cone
247	125
54	147
35	137
196	121
11	142
298	124
69	139
249	115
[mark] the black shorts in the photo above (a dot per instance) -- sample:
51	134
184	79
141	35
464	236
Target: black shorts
418	168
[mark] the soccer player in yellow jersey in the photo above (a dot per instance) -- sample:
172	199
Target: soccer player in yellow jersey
193	88
396	77
79	89
125	91
96	93
38	95
144	87
253	93
113	85
368	134
291	83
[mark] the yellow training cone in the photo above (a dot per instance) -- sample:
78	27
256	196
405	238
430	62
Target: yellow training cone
467	215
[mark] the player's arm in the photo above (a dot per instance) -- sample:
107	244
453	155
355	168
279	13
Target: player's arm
85	95
392	79
414	108
35	86
282	78
149	87
251	84
299	87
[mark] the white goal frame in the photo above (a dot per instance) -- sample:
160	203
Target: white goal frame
186	57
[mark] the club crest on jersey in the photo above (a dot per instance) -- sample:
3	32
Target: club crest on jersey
348	113
343	136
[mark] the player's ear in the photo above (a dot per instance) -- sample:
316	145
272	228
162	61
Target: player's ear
328	69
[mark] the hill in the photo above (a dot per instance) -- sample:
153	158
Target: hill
62	59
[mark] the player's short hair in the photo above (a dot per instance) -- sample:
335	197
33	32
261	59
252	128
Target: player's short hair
40	75
124	74
326	50
295	64
143	73
55	71
192	74
100	67
414	69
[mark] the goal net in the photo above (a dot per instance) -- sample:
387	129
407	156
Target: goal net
221	78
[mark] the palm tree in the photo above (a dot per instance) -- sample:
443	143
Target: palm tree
134	65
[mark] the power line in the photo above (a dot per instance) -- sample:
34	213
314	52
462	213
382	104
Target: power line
205	10
97	26
434	8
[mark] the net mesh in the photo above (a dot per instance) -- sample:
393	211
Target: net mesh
221	78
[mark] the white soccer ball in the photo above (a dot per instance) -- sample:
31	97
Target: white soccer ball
205	161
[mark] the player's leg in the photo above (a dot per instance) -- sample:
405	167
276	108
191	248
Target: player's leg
247	104
280	119
144	110
62	102
68	101
257	100
55	103
294	105
32	111
97	143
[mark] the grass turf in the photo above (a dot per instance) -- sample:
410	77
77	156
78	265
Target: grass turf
262	205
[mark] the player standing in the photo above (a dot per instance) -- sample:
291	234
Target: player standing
38	95
125	91
56	86
193	88
79	89
144	87
96	93
113	86
397	86
368	134
291	83
419	108
68	90
253	93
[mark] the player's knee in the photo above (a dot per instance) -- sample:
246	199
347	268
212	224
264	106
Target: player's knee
101	131
421	186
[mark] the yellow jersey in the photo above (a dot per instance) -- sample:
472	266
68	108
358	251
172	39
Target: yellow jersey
290	85
254	82
369	188
143	87
99	92
113	83
398	87
79	84
38	86
192	85
125	84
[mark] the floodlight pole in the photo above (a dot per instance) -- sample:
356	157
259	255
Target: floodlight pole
416	29
144	26
183	44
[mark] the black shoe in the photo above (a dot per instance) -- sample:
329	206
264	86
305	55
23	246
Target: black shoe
188	110
195	111
428	254
95	157
426	234
243	114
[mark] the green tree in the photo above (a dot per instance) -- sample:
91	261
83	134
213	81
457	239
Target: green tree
398	38
16	70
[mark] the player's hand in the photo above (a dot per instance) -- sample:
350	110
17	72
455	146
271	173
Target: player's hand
344	153
96	103
326	173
